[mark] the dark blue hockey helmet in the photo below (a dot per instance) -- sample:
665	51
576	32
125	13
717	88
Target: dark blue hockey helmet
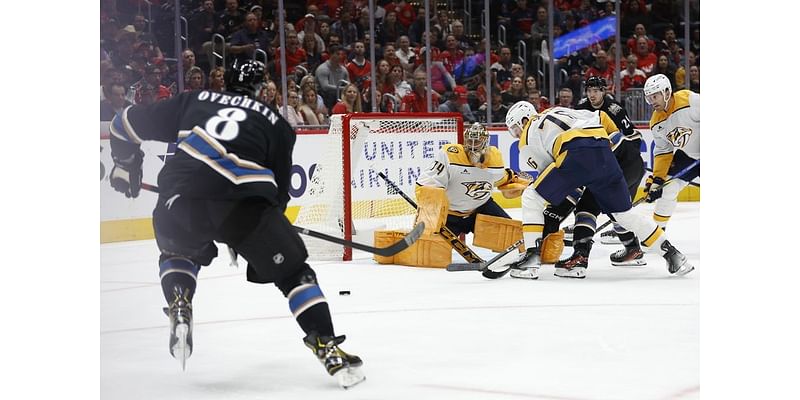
245	77
595	82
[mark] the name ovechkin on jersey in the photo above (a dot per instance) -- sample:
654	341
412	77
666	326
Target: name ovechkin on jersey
238	101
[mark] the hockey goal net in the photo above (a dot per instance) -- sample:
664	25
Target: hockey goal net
346	197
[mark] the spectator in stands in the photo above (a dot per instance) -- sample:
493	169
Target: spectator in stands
499	110
664	13
634	12
522	18
308	109
216	79
694	78
359	67
417	28
680	73
390	55
310	29
417	100
114	101
539	29
350	101
201	25
346	29
640	32
250	38
535	97
663	67
324	32
503	66
383	79
110	77
309	81
150	88
334	39
230	20
195	79
401	87
312	11
327	7
269	95
530	83
480	91
390	29
404	12
457	102
295	55
515	93
290	112
602	69
404	52
313	53
329	74
188	59
647	59
565	97
443	23
463	41
441	80
631	76
452	55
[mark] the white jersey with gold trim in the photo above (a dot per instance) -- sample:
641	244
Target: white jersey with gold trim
468	187
679	126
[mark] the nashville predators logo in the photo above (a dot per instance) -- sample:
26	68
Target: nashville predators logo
679	136
478	190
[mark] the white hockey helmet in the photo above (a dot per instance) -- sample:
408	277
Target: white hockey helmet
658	83
515	115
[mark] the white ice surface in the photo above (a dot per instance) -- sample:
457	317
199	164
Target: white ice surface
621	333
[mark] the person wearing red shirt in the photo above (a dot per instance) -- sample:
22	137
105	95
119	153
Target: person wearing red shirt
359	67
452	55
350	101
602	69
405	13
632	77
294	54
417	100
647	59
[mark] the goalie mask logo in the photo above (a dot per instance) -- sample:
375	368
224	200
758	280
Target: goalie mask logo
478	190
679	136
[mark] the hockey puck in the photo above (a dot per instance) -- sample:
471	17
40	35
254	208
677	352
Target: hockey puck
344	293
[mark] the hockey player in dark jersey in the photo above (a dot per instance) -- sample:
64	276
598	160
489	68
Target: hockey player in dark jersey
627	152
227	182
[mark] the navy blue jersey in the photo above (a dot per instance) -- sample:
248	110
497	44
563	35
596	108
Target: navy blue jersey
230	146
615	110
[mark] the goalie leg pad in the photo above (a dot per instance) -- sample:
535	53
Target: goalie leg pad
430	250
496	233
552	247
384	238
432	208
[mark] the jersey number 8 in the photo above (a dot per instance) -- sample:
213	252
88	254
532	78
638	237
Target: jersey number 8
225	126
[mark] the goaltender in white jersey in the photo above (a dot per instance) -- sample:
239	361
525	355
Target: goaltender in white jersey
676	128
469	174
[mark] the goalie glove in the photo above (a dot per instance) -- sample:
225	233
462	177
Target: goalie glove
514	188
653	188
126	176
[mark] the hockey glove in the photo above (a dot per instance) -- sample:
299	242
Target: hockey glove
653	188
126	176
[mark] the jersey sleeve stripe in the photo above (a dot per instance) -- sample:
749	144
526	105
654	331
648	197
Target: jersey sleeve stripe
204	148
121	128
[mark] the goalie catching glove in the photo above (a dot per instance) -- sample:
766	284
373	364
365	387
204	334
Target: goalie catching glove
126	176
514	187
653	188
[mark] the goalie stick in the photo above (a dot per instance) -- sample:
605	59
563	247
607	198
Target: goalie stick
390	250
446	233
455	267
643	199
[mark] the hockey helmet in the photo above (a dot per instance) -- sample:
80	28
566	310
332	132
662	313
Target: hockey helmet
516	115
596	82
658	83
245	77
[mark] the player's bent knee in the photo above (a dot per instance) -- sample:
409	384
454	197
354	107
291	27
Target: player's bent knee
303	275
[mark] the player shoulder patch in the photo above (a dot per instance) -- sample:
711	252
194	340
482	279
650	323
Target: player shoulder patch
452	149
614	108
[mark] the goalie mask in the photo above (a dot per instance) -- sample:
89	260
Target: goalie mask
476	140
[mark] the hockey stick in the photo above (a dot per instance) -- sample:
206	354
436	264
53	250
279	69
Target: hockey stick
392	249
480	266
643	199
446	233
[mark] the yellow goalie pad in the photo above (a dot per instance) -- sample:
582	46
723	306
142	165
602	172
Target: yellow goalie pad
430	250
432	207
552	247
496	233
514	189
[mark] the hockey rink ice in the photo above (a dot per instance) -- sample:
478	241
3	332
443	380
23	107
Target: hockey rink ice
621	333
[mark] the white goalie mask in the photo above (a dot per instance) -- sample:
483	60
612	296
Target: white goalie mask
657	84
516	116
476	140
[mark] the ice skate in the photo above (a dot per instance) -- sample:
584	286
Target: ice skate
677	264
526	266
609	237
180	323
575	266
343	366
628	256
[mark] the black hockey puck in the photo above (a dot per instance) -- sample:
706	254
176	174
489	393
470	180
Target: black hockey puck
344	293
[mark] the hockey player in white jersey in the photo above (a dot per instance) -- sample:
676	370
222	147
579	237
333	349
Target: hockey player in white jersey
676	128
571	149
469	173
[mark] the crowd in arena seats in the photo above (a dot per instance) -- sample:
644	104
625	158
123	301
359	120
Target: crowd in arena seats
328	47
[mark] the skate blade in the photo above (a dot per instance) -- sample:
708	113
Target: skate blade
684	269
524	274
575	274
610	241
631	263
181	350
349	377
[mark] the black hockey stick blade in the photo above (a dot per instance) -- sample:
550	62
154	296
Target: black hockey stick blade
483	266
391	250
